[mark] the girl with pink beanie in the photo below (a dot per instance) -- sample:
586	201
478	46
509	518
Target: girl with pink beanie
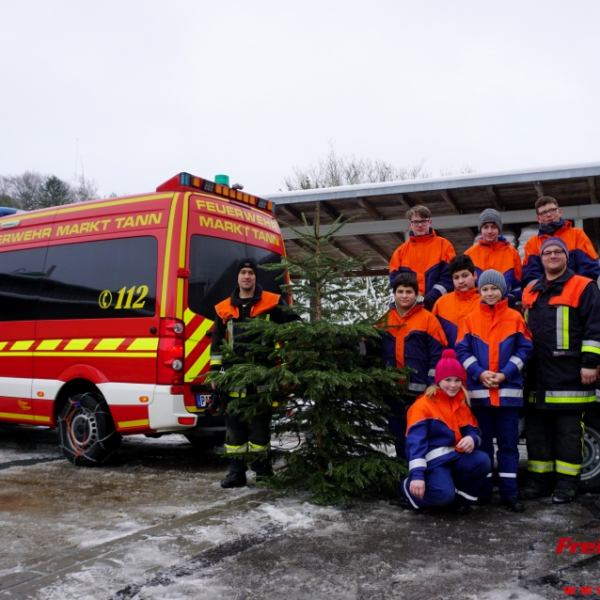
441	440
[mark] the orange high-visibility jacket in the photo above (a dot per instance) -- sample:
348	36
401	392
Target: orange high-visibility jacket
453	308
427	257
494	338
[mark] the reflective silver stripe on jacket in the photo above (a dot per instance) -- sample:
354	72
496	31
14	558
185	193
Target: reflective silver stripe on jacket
417	387
517	361
416	463
431	373
469	362
506	393
479	393
440	288
438	452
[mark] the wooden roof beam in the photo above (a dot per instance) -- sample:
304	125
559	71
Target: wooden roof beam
539	188
377	216
494	198
367	242
291	212
445	194
332	212
594	200
403	199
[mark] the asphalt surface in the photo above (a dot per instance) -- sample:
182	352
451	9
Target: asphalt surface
156	524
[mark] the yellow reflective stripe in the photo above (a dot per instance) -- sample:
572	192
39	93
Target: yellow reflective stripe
565	327
195	369
2	345
108	344
236	449
540	466
87	354
167	257
24	417
48	345
531	398
197	336
567	468
188	315
78	344
22	345
257	448
590	349
570	399
139	423
182	245
143	344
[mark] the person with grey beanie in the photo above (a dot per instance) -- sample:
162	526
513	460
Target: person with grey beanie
494	251
494	345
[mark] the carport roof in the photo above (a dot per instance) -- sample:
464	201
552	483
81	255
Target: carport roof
455	203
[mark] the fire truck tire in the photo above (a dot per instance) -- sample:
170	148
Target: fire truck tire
87	431
590	469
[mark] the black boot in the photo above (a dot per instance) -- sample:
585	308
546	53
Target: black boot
531	491
234	479
513	505
563	494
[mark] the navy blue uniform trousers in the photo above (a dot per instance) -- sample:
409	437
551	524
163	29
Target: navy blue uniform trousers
502	423
461	478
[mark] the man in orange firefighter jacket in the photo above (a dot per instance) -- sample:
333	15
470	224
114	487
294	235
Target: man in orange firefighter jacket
563	314
248	301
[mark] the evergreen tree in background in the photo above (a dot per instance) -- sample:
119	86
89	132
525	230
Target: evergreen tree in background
319	381
53	192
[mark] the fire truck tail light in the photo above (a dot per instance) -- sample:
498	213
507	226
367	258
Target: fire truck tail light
171	352
187	420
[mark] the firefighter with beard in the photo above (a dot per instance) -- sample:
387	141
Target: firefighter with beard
563	314
248	301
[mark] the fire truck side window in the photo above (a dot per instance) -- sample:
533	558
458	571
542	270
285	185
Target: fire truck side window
21	274
212	271
97	280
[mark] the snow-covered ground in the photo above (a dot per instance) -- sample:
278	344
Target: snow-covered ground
156	524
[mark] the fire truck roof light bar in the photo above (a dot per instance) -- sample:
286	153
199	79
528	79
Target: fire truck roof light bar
185	180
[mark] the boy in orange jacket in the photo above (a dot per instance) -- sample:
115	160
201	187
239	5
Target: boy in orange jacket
452	308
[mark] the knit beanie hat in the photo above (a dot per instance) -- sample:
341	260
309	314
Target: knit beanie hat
554	241
248	262
494	278
448	366
489	215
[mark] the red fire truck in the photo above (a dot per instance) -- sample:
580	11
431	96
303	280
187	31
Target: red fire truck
107	310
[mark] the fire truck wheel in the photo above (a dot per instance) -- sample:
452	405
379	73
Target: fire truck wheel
87	431
590	469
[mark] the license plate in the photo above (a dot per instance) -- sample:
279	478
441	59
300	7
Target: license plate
202	400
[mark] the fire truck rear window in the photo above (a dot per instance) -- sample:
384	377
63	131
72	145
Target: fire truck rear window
99	280
212	271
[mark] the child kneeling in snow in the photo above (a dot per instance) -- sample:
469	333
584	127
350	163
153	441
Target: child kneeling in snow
441	437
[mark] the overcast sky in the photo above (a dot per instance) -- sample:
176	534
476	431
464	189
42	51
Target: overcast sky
134	91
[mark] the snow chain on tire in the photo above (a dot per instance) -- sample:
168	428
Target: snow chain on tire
87	431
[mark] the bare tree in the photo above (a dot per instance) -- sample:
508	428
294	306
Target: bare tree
334	171
24	189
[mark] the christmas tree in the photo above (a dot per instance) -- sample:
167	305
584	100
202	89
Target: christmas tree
324	378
